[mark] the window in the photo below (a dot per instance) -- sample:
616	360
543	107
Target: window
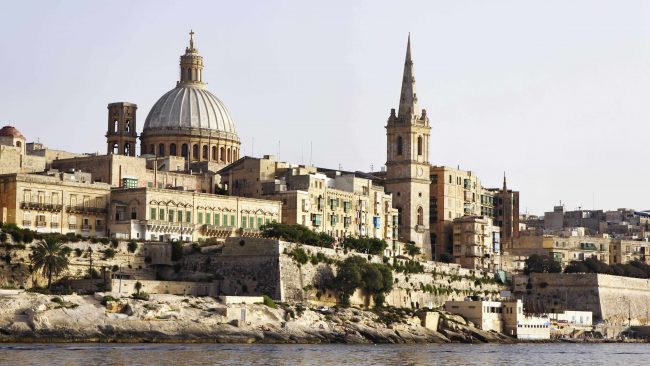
152	214
260	222
195	151
216	219
161	215
225	220
127	149
115	149
188	216
419	145
233	222
172	149
115	125
222	154
134	214
243	222
205	152
400	145
161	150
214	153
170	215
200	218
207	218
185	151
180	216
127	126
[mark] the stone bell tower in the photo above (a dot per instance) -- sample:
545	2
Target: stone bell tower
121	135
407	165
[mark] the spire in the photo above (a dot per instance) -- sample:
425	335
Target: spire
505	187
191	39
408	102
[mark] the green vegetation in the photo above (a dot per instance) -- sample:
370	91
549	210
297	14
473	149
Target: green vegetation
132	246
297	234
355	272
541	264
177	250
269	302
50	257
299	255
365	245
447	258
106	299
109	253
139	294
634	268
411	249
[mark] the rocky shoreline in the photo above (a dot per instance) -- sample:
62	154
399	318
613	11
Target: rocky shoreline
31	317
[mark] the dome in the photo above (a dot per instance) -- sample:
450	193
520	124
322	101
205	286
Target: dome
189	107
11	131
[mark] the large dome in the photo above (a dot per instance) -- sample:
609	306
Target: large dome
190	107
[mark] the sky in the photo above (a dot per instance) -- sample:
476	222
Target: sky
553	93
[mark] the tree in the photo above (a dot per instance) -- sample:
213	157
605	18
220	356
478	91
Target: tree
536	263
412	249
132	246
138	287
50	256
447	258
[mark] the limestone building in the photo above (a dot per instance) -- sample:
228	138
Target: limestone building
407	164
54	202
13	153
477	243
189	121
335	202
167	215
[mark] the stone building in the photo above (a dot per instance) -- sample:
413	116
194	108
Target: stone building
335	202
167	215
132	172
14	157
563	249
476	243
454	193
55	202
407	163
506	212
624	251
189	121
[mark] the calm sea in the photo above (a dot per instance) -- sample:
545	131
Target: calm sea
423	354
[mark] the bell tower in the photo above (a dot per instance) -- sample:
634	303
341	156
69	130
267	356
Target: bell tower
121	135
407	164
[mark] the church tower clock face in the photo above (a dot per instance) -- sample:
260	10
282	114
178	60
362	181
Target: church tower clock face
420	171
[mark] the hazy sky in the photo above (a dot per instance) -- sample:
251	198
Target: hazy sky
555	93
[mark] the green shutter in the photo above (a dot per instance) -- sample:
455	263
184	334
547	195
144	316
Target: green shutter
152	214
200	218
217	220
207	218
180	216
233	221
260	222
188	216
225	220
243	222
171	215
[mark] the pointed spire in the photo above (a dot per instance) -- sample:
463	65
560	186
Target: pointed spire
505	187
408	102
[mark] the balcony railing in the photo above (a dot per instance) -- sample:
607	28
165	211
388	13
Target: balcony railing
41	224
40	206
72	226
86	227
86	209
27	223
54	225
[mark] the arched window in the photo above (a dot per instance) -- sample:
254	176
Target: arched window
400	145
127	126
228	156
419	145
185	151
195	151
161	149
222	154
127	149
420	216
205	152
172	150
189	74
115	149
152	149
18	144
214	153
115	126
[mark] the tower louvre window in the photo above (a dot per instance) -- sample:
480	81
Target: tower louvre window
419	145
400	145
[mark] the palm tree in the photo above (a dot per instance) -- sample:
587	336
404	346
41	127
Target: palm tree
138	287
50	256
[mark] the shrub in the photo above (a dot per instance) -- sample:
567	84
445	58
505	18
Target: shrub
78	252
365	245
269	302
296	233
447	258
177	250
104	241
106	299
109	253
3	237
114	242
132	246
140	296
196	248
299	255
